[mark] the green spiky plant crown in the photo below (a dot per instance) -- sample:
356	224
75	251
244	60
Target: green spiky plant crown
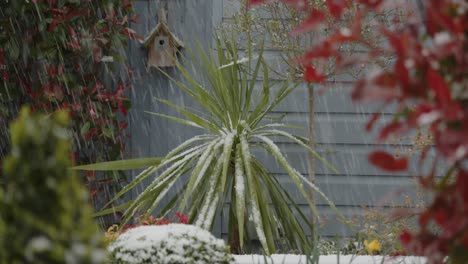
220	162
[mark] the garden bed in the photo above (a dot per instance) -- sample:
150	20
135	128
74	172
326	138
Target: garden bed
329	259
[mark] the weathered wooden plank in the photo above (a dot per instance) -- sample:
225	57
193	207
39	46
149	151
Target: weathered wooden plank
343	128
347	159
330	98
356	190
329	226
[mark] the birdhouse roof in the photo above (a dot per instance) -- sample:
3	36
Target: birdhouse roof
162	28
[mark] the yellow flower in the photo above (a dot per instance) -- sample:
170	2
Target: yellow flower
111	234
113	229
372	247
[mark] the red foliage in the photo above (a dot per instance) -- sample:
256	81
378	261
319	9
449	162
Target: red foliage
182	218
311	75
65	14
388	162
151	220
66	55
429	82
311	23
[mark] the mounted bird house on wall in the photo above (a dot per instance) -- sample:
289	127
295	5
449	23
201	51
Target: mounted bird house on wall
162	44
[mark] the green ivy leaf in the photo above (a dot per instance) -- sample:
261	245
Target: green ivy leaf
85	128
13	50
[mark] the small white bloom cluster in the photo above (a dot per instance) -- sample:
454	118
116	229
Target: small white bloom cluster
173	243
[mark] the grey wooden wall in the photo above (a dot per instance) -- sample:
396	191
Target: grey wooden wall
339	124
189	20
153	136
341	139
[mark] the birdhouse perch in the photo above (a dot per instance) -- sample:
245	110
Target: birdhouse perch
162	44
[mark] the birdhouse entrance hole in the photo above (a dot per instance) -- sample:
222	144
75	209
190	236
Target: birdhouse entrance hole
162	44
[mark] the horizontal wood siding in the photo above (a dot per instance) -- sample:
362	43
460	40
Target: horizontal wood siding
153	136
339	133
340	138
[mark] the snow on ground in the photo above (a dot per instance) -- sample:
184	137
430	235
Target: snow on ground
329	259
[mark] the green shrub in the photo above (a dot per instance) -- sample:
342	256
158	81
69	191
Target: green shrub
44	216
173	243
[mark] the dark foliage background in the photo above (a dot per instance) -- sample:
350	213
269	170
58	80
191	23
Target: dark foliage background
68	54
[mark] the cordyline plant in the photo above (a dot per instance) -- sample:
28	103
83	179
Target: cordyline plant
429	82
221	163
63	54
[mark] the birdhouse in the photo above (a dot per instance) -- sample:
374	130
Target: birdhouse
162	44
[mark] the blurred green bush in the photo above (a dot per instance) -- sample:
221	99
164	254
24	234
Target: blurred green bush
44	210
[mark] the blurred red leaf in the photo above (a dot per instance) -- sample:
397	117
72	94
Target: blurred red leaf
388	162
297	4
63	15
134	19
127	4
311	75
391	129
426	81
452	143
381	86
182	218
97	53
405	237
402	73
371	122
91	133
131	34
255	2
374	4
122	107
122	125
336	7
439	19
